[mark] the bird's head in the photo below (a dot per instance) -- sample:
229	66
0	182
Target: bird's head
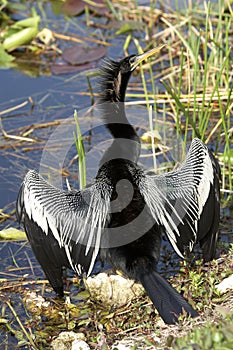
129	64
113	83
116	74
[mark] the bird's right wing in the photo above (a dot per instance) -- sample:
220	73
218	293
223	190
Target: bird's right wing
75	218
177	199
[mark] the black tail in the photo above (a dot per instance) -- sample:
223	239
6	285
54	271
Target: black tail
167	301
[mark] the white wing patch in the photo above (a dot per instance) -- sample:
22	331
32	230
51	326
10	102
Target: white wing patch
178	197
78	216
203	188
156	201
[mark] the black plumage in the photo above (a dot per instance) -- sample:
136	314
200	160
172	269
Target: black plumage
123	214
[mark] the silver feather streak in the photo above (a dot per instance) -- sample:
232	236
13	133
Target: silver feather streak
77	216
177	198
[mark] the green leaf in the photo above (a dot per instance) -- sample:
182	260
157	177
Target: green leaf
152	134
20	38
12	233
5	57
128	27
3	321
31	22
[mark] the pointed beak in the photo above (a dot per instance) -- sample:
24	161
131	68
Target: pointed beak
139	58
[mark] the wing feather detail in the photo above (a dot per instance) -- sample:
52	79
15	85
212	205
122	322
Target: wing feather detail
75	217
176	199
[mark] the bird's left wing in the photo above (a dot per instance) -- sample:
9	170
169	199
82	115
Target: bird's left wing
177	199
75	218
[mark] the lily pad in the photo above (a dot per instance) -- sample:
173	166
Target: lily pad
77	55
68	68
76	7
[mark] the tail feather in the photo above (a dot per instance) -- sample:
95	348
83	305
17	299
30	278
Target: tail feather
169	303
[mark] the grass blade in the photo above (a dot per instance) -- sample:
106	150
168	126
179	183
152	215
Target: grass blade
81	153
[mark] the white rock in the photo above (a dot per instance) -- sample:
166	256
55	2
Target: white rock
226	284
80	345
113	290
65	341
37	300
121	346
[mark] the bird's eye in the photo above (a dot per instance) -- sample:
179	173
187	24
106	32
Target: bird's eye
132	59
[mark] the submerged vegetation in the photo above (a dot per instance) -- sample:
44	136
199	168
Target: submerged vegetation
188	89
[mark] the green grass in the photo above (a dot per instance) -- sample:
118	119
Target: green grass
81	153
198	86
207	62
209	336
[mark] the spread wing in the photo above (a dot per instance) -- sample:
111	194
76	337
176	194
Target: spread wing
186	201
73	220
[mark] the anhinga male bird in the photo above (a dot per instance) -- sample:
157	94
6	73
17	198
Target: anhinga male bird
123	214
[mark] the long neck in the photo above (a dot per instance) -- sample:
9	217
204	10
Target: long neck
112	97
